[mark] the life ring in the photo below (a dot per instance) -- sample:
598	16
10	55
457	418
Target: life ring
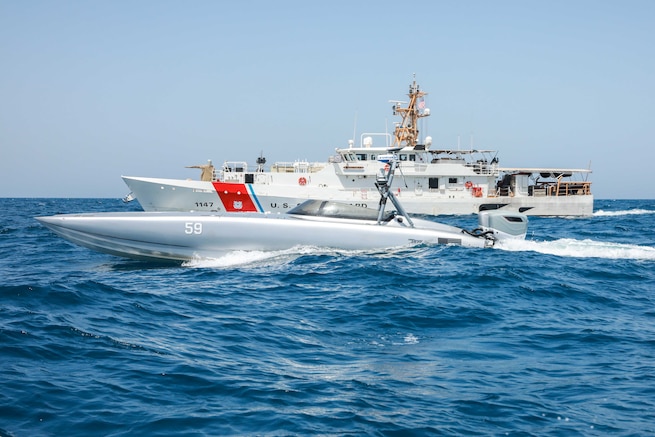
468	184
302	181
386	167
477	191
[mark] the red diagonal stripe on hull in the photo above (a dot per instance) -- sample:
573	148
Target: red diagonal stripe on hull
235	197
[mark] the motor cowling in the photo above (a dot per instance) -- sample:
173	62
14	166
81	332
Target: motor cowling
504	225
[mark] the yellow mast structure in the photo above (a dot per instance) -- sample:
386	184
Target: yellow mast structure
406	132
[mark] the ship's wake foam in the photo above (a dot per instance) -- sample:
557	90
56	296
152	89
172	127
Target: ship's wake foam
232	259
257	257
565	247
570	247
602	213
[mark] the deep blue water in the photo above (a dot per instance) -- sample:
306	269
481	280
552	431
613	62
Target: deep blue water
551	336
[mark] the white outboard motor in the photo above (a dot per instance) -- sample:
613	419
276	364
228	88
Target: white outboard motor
503	225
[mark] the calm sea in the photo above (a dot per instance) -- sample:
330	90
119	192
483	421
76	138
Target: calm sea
551	336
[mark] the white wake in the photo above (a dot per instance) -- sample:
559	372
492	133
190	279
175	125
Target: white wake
257	257
602	213
570	247
565	247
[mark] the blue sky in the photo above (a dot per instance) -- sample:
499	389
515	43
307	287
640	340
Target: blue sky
91	90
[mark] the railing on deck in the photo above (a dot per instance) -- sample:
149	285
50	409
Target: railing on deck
551	189
483	167
297	167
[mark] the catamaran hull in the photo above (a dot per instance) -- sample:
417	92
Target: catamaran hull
185	236
158	194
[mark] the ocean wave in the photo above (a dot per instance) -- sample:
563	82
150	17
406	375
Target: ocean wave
569	247
418	340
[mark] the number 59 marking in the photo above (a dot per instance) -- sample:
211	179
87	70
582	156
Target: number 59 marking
193	228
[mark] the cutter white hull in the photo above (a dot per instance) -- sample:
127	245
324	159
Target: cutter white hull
158	194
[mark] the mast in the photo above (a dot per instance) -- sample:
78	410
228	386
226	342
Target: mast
405	135
406	132
383	183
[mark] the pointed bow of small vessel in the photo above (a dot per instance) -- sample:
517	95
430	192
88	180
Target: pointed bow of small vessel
123	235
